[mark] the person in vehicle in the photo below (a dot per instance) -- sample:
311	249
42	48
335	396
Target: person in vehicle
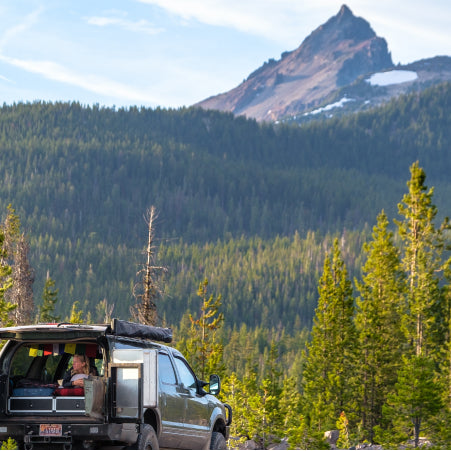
80	370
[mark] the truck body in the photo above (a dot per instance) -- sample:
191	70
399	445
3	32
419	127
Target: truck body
144	394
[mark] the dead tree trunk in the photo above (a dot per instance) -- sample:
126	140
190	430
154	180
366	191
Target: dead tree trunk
147	289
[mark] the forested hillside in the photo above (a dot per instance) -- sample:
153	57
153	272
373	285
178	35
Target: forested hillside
323	296
246	205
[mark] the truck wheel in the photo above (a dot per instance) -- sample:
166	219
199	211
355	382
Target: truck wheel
148	438
218	441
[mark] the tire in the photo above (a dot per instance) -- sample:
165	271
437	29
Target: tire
148	438
218	441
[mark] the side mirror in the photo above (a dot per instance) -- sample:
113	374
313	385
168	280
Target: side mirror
215	384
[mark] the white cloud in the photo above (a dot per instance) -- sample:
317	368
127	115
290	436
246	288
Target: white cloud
99	85
140	26
275	20
420	25
13	32
5	79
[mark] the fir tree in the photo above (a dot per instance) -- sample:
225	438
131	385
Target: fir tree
414	403
343	441
203	346
423	245
328	387
49	301
378	321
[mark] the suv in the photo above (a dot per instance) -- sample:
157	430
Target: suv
144	393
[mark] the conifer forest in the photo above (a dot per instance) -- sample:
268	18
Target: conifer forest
309	266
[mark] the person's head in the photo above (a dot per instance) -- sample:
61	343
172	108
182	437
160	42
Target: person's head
80	364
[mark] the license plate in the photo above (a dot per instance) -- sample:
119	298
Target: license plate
51	430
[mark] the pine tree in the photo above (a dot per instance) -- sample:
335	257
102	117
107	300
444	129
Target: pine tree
423	246
343	441
76	314
294	426
49	301
415	402
270	393
419	391
328	387
203	348
245	400
378	321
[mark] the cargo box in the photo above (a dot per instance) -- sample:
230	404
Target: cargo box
33	391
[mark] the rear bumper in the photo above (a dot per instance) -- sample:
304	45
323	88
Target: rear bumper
70	433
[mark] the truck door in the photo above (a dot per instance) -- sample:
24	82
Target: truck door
197	411
171	403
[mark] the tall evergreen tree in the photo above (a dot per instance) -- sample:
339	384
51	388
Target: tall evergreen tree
414	403
328	386
417	398
49	301
378	321
423	245
203	347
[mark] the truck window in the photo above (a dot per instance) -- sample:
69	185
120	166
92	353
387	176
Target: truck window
26	365
166	370
186	375
21	363
51	364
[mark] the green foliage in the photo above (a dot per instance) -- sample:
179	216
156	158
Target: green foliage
378	321
10	444
6	307
49	301
343	441
76	314
423	247
328	382
80	178
414	403
202	347
251	208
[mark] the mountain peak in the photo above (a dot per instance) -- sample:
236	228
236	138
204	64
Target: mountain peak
344	10
333	55
342	27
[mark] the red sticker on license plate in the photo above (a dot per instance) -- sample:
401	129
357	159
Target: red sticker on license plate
51	430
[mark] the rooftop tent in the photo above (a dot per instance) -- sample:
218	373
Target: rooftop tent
135	330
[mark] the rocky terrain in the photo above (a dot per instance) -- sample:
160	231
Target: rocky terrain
332	67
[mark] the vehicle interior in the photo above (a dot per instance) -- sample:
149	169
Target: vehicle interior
38	368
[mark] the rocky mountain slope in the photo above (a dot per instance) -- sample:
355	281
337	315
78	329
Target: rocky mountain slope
332	67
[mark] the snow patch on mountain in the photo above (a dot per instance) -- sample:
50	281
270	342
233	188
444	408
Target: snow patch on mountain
338	104
392	77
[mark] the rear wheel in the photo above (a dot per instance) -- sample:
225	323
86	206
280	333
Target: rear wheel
218	441
148	438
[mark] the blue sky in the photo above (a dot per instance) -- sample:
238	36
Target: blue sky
173	53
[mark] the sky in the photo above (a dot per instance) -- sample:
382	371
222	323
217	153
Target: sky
174	53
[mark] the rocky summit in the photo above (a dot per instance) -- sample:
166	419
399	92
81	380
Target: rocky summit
333	65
